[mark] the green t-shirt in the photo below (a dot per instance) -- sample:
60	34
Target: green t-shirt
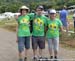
39	23
53	28
23	26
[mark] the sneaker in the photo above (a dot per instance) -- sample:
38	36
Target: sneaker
34	58
40	58
45	59
51	58
55	58
25	59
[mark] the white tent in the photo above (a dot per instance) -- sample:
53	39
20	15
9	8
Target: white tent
8	14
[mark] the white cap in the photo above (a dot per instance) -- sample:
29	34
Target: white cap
24	7
52	11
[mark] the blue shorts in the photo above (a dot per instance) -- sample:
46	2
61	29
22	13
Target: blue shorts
23	42
53	44
65	24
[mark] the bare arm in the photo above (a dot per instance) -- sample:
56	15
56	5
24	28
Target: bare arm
61	28
68	20
16	17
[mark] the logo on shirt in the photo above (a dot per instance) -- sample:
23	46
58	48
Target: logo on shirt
38	21
52	26
24	21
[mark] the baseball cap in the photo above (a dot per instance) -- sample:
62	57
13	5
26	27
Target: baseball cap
52	11
40	7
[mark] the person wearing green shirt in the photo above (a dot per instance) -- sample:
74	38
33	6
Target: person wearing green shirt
23	32
38	32
52	34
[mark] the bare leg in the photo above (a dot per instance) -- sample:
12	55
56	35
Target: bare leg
66	29
21	56
50	52
41	52
55	53
50	47
35	52
26	52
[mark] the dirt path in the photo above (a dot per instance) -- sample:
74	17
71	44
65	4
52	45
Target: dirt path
8	48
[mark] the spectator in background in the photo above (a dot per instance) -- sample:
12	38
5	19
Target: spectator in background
64	18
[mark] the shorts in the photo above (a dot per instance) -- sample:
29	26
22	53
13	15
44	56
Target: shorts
38	41
53	44
65	24
23	42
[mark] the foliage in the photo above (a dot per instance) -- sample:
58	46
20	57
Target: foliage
13	5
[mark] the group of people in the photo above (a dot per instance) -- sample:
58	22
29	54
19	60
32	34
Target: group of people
43	28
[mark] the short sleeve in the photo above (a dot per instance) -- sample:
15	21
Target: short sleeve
59	23
46	20
31	15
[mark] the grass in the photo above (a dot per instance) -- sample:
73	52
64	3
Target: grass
8	24
68	40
